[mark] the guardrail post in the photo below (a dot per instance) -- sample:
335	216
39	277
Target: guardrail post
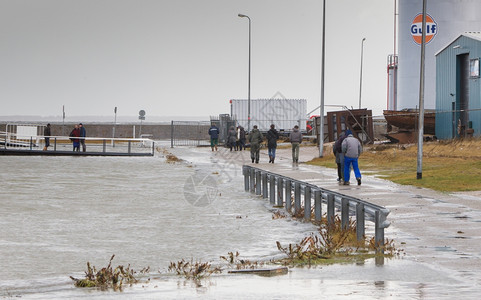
272	189
246	178
153	148
297	197
264	185
104	145
317	205
55	144
360	221
288	192
280	191
129	147
258	182
344	213
330	209
31	143
252	184
379	231
307	203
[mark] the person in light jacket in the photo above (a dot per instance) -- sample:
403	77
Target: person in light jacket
351	147
296	139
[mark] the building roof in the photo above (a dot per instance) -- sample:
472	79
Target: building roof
475	35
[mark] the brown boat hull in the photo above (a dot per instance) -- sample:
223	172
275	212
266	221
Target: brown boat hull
408	120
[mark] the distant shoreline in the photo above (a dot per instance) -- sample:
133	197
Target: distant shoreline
100	119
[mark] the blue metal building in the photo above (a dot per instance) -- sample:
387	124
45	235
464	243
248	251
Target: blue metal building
458	88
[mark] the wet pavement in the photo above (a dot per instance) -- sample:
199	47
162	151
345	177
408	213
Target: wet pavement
441	230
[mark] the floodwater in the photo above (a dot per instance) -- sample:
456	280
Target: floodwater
57	213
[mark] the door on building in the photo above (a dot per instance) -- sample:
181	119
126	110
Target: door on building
462	92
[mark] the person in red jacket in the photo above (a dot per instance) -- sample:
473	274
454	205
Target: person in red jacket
74	138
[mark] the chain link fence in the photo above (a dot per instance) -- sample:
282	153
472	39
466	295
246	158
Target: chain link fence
190	133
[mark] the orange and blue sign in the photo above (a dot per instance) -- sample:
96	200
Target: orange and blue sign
416	29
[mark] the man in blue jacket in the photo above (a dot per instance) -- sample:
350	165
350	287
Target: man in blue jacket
214	136
83	133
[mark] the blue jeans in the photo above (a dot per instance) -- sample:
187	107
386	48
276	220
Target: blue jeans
272	152
347	167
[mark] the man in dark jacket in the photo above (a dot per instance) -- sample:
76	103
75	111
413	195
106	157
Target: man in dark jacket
295	139
214	136
255	138
47	133
337	150
272	137
83	134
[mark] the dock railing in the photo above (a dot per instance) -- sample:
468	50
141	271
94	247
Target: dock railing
63	145
281	190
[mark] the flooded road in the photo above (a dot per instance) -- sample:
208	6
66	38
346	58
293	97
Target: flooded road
57	213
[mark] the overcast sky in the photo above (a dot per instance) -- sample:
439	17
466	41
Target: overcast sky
187	57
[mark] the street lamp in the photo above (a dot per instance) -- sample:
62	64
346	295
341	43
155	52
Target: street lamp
360	77
249	76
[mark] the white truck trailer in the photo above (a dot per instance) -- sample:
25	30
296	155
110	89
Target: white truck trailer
284	113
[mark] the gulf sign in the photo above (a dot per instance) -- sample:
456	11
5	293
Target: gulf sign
417	32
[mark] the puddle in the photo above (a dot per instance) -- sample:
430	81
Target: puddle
445	249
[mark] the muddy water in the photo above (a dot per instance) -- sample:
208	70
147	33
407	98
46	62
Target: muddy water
57	213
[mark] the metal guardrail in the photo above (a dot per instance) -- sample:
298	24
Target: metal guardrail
63	145
279	190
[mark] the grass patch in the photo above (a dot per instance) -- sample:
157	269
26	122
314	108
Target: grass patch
334	244
108	277
447	166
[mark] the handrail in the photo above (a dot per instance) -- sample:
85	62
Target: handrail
63	145
262	182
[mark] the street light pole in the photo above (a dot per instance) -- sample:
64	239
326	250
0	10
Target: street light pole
249	77
360	77
323	56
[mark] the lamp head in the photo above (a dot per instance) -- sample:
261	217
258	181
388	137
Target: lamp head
241	15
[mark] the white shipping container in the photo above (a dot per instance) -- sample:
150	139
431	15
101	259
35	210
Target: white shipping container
284	113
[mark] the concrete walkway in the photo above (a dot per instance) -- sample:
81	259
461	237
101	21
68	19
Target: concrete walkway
441	230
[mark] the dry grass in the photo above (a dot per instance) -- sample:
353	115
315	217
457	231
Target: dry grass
447	166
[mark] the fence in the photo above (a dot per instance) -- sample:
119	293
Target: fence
189	133
279	190
14	144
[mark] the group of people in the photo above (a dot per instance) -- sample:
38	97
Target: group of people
236	139
77	136
347	148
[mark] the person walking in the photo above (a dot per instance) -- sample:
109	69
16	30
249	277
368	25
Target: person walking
242	137
296	139
214	136
272	137
337	150
47	134
231	138
74	135
83	134
255	138
351	147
